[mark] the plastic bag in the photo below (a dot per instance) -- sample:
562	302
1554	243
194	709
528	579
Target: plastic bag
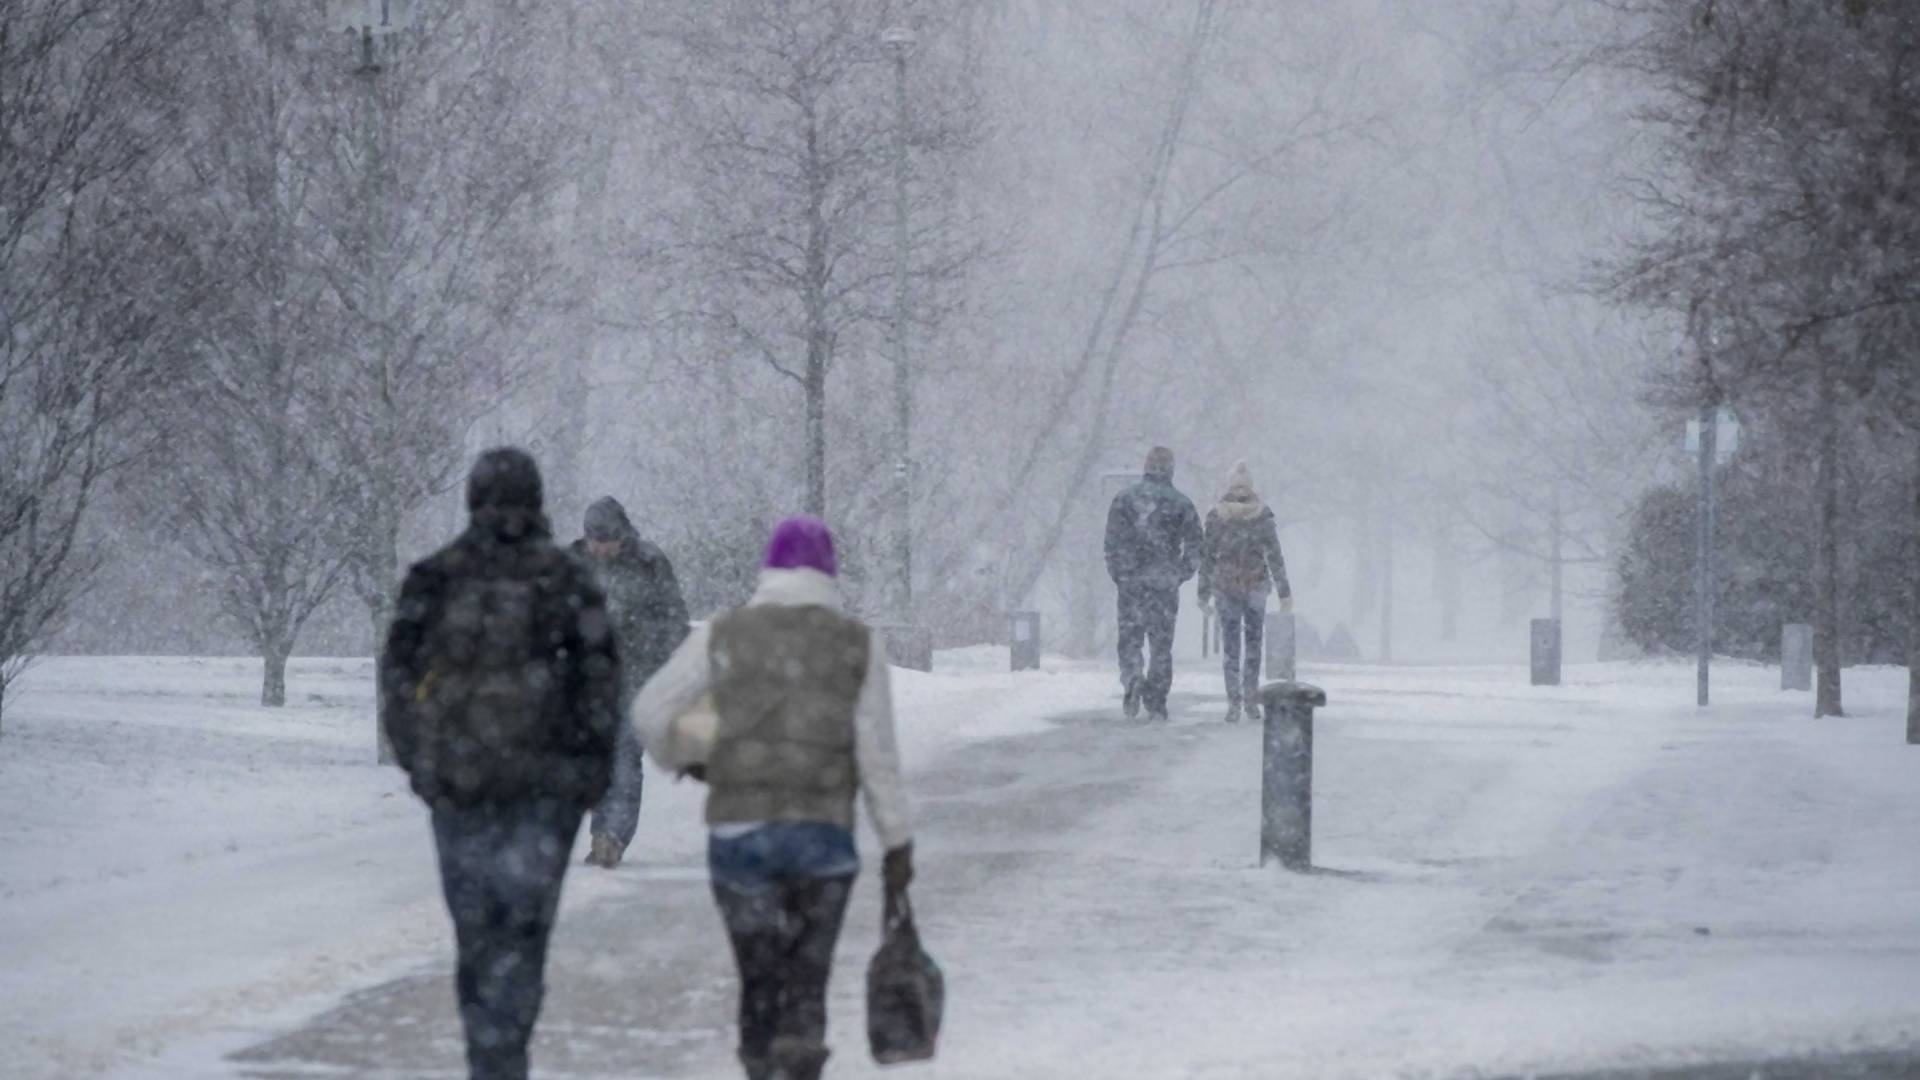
906	993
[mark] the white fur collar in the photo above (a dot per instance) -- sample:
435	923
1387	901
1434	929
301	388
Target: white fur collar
1233	509
801	587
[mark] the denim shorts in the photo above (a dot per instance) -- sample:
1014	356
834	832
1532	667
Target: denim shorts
766	855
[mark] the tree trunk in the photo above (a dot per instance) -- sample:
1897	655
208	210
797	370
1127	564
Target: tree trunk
1826	636
1558	526
1103	341
273	685
1365	550
1386	585
1913	609
1448	590
384	567
817	432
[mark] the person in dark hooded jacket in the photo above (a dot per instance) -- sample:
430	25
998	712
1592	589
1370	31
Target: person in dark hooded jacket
650	620
1152	548
1240	564
501	685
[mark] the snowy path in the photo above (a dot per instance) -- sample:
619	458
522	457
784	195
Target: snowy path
1531	886
1518	880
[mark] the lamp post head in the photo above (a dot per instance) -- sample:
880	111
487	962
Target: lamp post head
899	39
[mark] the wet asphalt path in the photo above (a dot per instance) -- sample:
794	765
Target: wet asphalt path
640	983
1877	1066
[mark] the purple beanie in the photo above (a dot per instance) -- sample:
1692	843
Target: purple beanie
802	542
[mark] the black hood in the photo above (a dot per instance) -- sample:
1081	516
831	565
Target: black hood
607	520
504	494
506	478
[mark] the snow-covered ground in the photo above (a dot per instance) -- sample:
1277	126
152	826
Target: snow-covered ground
1518	878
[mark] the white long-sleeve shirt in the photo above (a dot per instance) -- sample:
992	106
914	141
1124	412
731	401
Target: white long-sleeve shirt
688	675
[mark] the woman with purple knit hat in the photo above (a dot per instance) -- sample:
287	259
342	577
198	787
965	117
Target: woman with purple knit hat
805	724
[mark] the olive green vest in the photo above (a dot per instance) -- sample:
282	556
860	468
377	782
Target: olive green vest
786	685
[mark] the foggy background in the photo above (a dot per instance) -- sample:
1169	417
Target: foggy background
1355	244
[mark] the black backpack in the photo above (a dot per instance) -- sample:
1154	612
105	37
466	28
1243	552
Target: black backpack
486	699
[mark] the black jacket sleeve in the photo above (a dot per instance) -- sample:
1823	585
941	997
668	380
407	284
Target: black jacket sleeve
1120	539
593	680
1276	563
666	619
403	662
1209	553
1191	540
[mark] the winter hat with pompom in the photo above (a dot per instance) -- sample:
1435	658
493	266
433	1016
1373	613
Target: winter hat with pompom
802	543
1240	480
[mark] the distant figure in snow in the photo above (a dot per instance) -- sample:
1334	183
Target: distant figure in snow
649	621
804	724
1152	548
501	681
1240	564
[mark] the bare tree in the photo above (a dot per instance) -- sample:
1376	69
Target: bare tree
252	490
1787	202
85	319
784	115
1211	146
444	148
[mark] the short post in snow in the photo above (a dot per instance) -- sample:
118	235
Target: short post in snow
909	647
1286	783
1796	657
1023	640
1282	646
1546	652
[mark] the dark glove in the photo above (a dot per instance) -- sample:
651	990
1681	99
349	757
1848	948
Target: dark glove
698	772
897	869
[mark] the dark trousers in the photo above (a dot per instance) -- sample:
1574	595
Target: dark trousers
618	814
783	936
1242	616
501	865
1147	616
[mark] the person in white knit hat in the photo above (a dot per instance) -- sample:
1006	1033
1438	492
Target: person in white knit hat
1240	564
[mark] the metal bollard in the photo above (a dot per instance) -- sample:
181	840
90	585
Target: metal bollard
1286	781
1282	646
1023	637
909	647
1546	652
1796	657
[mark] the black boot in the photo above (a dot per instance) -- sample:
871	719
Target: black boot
1233	712
798	1059
758	1068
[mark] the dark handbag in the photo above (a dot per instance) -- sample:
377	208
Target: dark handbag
905	991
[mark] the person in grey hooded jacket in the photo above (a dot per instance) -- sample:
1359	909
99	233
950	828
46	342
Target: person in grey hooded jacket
649	617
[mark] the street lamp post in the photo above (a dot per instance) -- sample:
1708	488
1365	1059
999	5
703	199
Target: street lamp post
370	26
1703	557
900	40
1704	437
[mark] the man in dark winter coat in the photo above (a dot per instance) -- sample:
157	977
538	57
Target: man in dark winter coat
501	682
1153	546
1239	564
649	620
